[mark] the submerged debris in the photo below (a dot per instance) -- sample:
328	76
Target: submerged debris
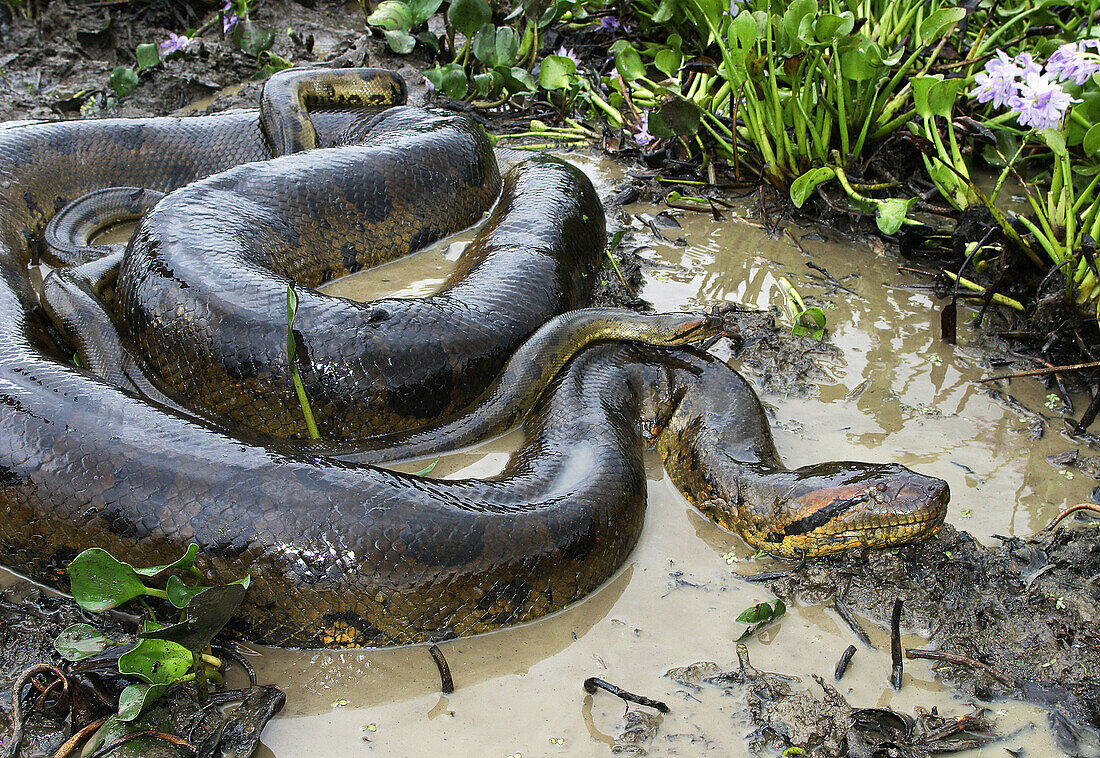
1027	610
789	719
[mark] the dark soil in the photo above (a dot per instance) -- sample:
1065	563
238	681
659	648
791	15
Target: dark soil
1027	609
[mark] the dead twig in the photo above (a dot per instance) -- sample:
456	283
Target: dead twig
591	684
447	684
71	744
960	660
1041	371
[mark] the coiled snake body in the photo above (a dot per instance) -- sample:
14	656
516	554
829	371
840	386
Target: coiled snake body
345	554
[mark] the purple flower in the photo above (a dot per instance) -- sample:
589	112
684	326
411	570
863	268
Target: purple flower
566	53
428	83
229	18
1073	62
642	136
1027	63
998	82
175	43
1041	103
609	23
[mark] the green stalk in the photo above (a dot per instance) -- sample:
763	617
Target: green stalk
299	388
975	287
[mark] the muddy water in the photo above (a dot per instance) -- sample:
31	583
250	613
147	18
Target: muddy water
898	394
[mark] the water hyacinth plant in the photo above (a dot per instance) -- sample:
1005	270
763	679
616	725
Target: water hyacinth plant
1057	101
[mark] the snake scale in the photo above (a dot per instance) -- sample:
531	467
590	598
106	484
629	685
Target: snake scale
345	554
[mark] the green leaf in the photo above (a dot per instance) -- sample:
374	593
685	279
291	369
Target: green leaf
422	10
891	213
488	83
495	47
468	16
148	55
938	24
627	60
829	26
80	641
762	612
666	10
392	14
677	116
805	184
186	561
517	80
123	80
252	39
206	613
136	698
557	72
1055	141
427	469
1091	143
798	21
450	79
400	41
811	321
760	615
861	61
99	581
668	61
156	661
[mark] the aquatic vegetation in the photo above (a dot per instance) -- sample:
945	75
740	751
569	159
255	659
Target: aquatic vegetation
162	654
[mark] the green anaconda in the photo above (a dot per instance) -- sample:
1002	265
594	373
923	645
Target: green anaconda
347	554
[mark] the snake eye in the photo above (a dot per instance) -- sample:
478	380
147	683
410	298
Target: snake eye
377	315
881	487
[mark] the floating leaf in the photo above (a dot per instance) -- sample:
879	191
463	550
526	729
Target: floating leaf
148	55
892	212
468	16
156	661
627	60
677	116
449	79
99	581
186	561
1091	142
252	39
668	61
392	14
760	615
206	613
81	641
123	80
811	322
557	72
938	24
805	184
136	698
400	41
762	612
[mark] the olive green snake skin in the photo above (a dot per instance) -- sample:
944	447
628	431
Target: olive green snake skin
347	554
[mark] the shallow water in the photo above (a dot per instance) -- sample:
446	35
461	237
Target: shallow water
899	394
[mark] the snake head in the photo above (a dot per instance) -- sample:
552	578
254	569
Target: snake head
828	508
695	327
